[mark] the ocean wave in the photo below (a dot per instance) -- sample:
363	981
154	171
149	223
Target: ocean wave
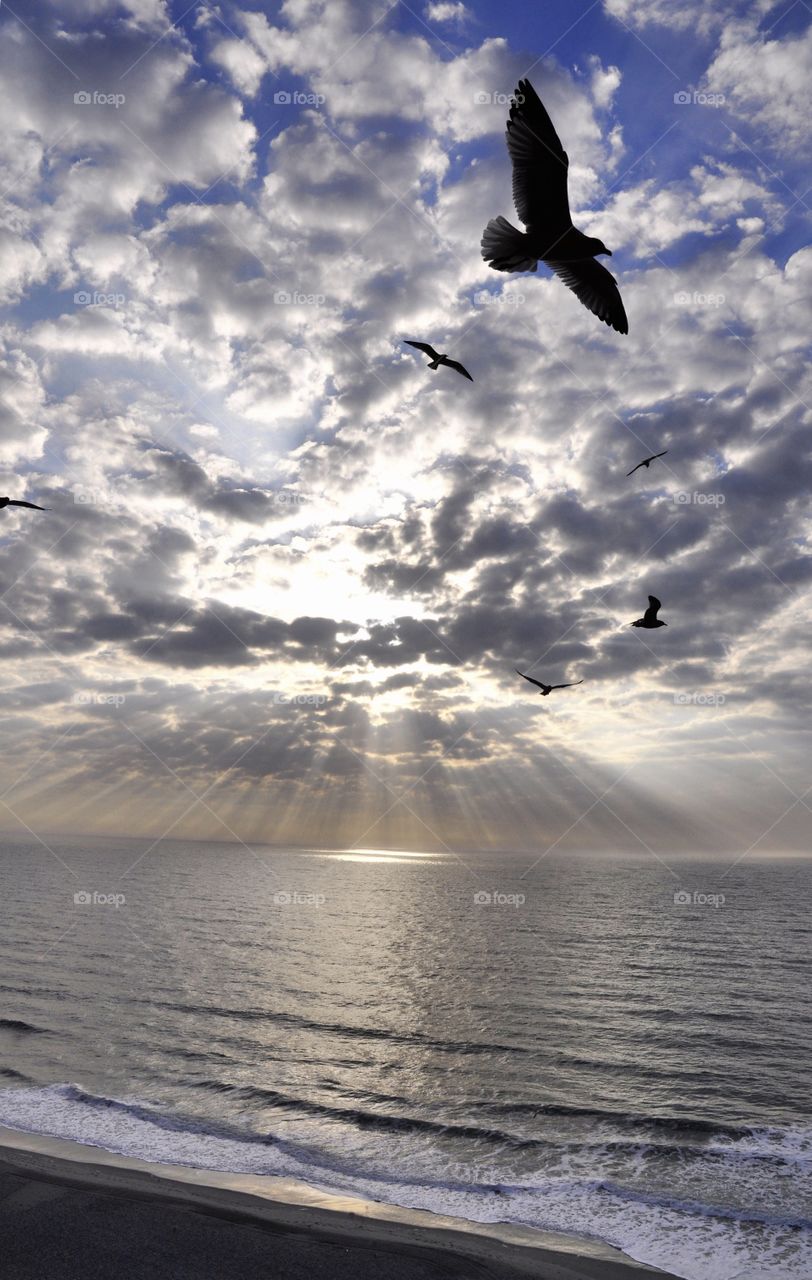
764	1146
24	1028
601	1205
29	989
730	1213
716	1233
771	1152
168	1121
335	1028
367	1119
679	1124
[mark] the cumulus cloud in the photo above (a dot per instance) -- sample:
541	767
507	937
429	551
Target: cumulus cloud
282	549
688	14
446	12
765	79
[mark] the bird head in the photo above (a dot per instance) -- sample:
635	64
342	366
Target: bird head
598	247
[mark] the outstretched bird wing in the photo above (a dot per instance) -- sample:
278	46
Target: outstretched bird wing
455	364
568	686
422	346
530	678
540	163
646	461
653	609
593	285
18	502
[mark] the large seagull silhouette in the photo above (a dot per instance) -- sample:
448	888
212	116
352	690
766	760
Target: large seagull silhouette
646	462
18	502
649	619
540	171
437	358
546	688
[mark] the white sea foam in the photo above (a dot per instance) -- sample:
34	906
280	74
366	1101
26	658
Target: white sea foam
690	1239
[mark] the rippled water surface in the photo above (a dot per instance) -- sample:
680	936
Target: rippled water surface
572	1048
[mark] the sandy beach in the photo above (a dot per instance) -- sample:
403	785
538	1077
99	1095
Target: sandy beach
70	1211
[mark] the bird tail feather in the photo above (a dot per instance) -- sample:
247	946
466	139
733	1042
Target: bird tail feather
505	248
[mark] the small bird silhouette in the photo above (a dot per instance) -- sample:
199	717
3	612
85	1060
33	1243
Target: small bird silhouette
546	688
540	170
646	462
649	619
437	359
18	502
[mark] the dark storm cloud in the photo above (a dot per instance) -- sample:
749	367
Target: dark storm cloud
226	636
511	535
177	474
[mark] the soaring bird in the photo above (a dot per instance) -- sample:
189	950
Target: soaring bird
540	169
646	462
546	688
436	359
18	502
649	619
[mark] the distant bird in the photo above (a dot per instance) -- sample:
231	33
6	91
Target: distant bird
437	359
540	169
18	502
646	462
546	688
649	619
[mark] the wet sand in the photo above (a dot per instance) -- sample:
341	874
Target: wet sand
74	1212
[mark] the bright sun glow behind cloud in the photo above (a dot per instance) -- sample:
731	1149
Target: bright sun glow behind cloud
289	567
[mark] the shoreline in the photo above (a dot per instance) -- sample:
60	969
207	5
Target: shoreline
270	1224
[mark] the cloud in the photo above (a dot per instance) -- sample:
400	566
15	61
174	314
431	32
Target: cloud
260	496
765	83
687	15
446	12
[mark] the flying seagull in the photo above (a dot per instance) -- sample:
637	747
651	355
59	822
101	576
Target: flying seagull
646	462
649	619
18	502
546	688
540	168
436	359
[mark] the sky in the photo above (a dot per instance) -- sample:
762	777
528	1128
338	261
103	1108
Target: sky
287	572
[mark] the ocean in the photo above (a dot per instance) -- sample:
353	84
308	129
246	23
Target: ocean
603	1046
